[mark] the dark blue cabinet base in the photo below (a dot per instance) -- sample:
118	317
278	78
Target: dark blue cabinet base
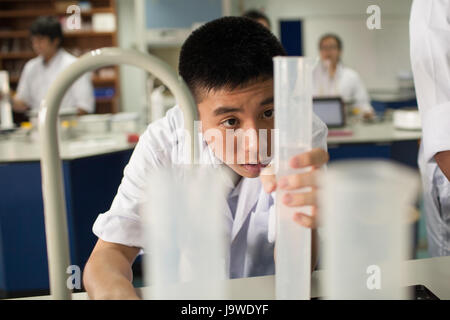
90	186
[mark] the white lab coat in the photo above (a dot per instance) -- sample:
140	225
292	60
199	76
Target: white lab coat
346	83
37	77
251	250
430	54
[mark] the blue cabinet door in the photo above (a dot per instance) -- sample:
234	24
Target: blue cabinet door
90	186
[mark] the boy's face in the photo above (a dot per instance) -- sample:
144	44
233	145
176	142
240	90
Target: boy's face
237	125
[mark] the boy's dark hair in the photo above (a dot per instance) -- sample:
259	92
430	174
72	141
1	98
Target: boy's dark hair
227	53
48	27
333	36
256	15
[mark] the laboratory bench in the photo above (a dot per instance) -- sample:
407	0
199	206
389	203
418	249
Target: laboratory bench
93	168
382	100
379	140
433	273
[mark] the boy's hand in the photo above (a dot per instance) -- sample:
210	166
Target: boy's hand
315	158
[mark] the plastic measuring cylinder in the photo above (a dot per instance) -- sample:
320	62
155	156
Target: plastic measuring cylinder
293	122
185	238
364	207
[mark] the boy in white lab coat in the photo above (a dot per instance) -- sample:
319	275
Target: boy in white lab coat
227	64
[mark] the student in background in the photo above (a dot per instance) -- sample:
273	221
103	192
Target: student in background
332	78
258	16
39	73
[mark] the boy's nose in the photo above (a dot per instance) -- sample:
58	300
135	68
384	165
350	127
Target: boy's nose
250	144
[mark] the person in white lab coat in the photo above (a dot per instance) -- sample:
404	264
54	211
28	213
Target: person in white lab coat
39	73
233	88
333	78
258	16
430	52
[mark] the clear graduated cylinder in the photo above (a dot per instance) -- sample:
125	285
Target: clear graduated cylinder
293	122
364	207
185	234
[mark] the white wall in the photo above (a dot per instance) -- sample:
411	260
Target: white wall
376	54
132	80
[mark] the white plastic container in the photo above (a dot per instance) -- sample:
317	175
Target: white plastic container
125	122
407	119
94	124
6	118
185	237
293	120
364	209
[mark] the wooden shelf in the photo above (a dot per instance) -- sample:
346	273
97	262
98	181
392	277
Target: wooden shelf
96	81
87	33
103	81
105	100
18	55
13	79
48	12
14	34
67	34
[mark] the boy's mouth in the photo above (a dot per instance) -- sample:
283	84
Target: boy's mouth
253	168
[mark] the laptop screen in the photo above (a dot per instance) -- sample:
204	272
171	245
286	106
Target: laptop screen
330	111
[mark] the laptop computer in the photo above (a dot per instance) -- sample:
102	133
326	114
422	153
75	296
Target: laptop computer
330	110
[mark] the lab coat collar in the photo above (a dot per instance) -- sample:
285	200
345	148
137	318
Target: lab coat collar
249	194
324	68
248	188
53	59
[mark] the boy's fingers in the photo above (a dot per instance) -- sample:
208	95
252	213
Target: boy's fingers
304	220
298	181
300	199
268	179
316	157
307	221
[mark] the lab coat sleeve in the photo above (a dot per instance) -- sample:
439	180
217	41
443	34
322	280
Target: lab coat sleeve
320	134
361	97
122	223
82	92
23	88
430	60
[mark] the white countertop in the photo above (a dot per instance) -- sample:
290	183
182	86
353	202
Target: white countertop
382	132
392	95
434	273
21	150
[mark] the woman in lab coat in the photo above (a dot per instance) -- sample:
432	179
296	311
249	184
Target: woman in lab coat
430	51
39	73
332	78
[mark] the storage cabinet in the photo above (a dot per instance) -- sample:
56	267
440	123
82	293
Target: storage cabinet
97	28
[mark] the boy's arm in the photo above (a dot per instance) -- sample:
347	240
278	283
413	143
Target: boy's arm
443	161
108	274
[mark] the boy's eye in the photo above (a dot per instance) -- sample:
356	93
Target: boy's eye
230	122
268	113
